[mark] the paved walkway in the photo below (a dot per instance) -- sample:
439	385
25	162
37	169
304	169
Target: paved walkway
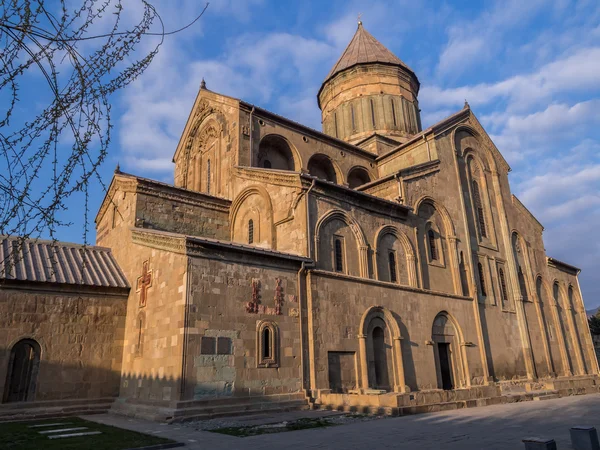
488	428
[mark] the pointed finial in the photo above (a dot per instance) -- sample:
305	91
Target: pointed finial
359	21
118	168
466	104
203	84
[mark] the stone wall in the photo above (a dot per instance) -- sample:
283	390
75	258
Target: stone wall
80	335
223	339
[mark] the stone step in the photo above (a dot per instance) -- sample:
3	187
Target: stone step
48	412
237	410
275	398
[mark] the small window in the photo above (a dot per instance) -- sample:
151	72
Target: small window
267	164
392	264
352	116
479	207
266	344
393	111
503	284
339	255
373	113
481	280
433	253
114	216
208	177
250	231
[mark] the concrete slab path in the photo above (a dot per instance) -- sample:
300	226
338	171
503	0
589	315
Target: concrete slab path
488	428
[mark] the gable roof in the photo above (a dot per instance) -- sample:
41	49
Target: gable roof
365	49
40	261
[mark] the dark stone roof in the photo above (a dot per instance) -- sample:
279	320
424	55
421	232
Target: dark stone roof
365	49
39	261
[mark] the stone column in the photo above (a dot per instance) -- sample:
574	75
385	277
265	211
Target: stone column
454	264
525	339
364	261
411	269
363	364
588	342
562	344
401	383
574	339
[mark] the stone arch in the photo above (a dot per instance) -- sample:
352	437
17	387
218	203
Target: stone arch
323	167
276	152
357	176
465	128
476	169
448	350
373	318
356	231
208	123
22	371
253	203
429	210
409	254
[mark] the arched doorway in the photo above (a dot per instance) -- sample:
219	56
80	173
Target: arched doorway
448	360
23	368
380	363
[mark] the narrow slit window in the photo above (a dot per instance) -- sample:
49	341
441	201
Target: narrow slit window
266	342
335	124
479	207
339	257
208	177
433	253
372	113
481	280
393	112
392	264
250	231
352	116
503	285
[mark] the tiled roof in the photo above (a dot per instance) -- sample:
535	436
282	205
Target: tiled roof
40	261
363	49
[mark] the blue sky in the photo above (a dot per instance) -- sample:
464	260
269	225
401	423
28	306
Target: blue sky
529	69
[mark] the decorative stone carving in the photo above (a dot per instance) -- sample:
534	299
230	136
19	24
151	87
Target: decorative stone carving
252	306
144	282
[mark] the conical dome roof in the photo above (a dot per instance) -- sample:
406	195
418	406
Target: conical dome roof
365	49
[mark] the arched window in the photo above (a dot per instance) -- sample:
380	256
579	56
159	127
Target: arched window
481	280
352	117
479	208
503	284
23	368
250	231
433	253
267	342
321	166
208	177
393	111
522	285
335	123
275	152
392	265
358	176
339	255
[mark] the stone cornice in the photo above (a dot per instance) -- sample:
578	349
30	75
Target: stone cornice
398	287
131	183
523	209
159	240
359	199
270	176
562	266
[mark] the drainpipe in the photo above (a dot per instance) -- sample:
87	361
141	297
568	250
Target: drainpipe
251	137
308	237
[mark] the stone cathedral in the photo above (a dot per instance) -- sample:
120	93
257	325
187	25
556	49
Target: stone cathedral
374	266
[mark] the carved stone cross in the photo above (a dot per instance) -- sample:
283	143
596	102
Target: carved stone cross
144	282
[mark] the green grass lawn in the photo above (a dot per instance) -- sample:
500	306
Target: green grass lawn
17	435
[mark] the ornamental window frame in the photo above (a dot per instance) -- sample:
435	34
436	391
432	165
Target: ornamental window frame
267	337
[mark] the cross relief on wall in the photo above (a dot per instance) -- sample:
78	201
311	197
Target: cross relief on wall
144	282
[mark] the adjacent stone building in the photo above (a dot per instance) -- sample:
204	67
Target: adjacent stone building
374	264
